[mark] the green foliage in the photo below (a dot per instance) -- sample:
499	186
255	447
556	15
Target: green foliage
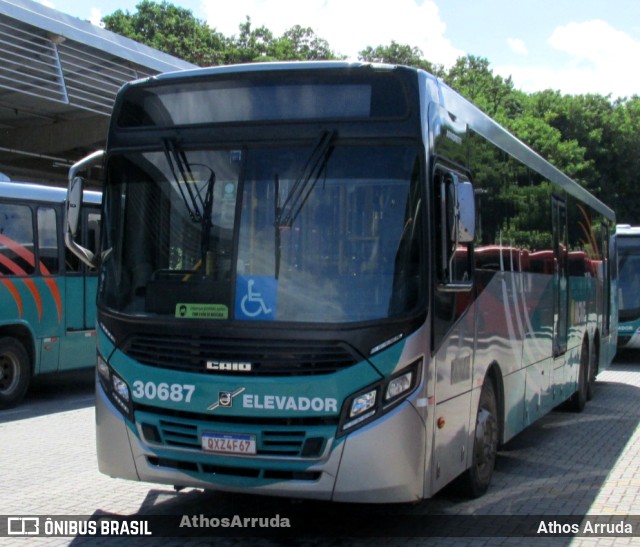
296	44
177	32
399	54
472	78
592	138
170	29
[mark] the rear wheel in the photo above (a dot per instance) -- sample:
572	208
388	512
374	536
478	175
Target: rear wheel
15	372
579	398
476	479
593	371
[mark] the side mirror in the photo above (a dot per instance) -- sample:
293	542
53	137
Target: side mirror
458	220
74	205
465	221
73	209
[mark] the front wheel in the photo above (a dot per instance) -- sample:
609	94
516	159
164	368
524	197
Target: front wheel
476	479
15	372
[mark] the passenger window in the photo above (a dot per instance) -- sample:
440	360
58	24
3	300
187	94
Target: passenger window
16	240
48	241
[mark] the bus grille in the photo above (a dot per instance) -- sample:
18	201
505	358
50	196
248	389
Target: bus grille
175	432
267	357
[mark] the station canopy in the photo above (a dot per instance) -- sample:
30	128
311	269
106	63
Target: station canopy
58	80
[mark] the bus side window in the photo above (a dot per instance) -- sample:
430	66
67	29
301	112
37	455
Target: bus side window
48	240
16	240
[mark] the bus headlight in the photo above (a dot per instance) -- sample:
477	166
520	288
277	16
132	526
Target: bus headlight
103	369
121	389
368	404
362	403
115	388
399	385
361	408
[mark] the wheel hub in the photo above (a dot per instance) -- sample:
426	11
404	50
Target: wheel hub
7	373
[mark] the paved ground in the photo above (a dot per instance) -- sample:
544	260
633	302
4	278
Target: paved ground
565	466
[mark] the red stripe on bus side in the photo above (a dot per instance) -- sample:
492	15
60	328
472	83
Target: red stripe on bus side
33	289
13	267
29	257
55	292
14	292
20	250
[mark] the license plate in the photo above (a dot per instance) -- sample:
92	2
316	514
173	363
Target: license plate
229	443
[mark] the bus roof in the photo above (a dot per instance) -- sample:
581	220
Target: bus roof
248	68
627	230
38	192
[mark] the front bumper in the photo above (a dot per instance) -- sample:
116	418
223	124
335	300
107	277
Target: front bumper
380	463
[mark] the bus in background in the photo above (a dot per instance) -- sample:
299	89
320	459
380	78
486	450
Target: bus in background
47	295
333	280
628	242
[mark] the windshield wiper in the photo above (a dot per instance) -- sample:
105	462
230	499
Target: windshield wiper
207	222
200	208
302	188
184	179
286	214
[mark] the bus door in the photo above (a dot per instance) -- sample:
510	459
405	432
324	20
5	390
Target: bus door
560	277
80	302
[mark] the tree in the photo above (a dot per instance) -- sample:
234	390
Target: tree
398	54
299	43
624	190
170	29
251	45
471	77
176	31
296	44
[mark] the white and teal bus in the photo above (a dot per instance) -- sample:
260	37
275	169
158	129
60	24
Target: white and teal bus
47	295
628	242
333	280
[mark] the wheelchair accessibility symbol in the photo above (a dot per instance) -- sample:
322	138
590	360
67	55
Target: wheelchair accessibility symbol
256	298
252	303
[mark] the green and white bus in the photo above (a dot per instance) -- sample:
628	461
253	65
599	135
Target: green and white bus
628	242
47	295
333	280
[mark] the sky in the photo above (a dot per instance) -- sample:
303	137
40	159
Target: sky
574	46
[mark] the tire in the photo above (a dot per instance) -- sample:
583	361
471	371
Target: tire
579	399
15	372
476	479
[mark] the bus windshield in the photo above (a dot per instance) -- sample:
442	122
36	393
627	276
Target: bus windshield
317	233
629	274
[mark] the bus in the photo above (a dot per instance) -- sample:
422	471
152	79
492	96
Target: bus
628	242
47	295
333	280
